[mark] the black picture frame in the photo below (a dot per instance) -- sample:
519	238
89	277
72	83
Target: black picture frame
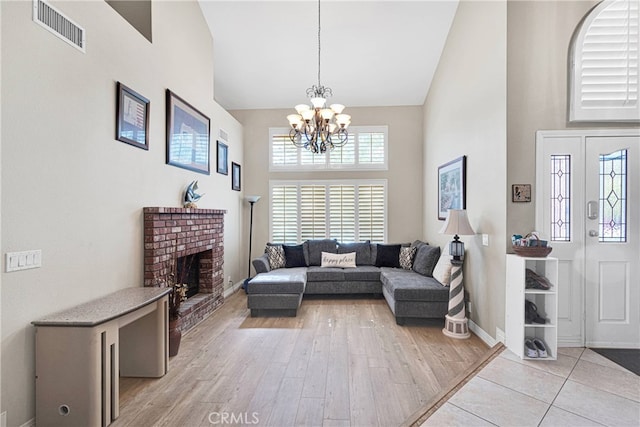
188	139
222	158
132	117
452	186
236	178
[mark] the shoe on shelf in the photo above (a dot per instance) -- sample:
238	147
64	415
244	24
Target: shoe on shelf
542	349
531	313
530	349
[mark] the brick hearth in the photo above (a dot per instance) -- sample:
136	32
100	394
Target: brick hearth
171	233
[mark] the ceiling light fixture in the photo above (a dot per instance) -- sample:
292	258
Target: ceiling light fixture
315	127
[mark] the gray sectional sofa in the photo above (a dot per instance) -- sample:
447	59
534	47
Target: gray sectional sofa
411	292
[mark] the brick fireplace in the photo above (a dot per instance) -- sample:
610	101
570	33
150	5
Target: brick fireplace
172	233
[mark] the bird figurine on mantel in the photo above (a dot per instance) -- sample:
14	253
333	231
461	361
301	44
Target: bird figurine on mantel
190	195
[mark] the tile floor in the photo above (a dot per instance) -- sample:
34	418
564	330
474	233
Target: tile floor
581	388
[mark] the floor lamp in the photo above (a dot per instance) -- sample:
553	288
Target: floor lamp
456	319
252	200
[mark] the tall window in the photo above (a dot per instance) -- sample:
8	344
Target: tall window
349	211
560	197
613	197
366	149
604	64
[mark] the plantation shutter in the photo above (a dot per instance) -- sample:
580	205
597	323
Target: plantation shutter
345	155
371	148
605	64
284	214
313	219
283	152
371	212
342	213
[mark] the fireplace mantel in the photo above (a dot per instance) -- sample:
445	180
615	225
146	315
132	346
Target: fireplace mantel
171	233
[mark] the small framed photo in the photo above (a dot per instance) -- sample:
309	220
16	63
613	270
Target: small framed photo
187	135
452	186
223	161
235	176
132	117
521	193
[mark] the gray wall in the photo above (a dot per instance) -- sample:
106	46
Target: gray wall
68	187
465	114
404	175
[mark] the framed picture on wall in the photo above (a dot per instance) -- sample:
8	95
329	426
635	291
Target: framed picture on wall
222	158
235	176
521	193
187	135
452	186
132	117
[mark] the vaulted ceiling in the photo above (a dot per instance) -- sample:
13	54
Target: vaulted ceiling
374	53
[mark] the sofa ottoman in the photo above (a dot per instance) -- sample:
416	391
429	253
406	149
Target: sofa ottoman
277	293
412	295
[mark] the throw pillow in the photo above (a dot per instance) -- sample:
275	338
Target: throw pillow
362	250
388	256
442	270
275	253
406	257
316	247
426	259
294	256
338	260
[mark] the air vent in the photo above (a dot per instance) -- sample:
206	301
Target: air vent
53	20
224	135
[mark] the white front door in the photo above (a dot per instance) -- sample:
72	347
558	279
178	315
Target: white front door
612	242
587	193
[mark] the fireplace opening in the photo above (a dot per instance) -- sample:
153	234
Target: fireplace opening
188	272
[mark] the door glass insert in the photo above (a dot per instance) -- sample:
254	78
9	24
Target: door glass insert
561	197
613	197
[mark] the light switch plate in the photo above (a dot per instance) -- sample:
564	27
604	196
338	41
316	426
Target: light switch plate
15	261
485	240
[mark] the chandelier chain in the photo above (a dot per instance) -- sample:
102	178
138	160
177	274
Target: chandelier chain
318	43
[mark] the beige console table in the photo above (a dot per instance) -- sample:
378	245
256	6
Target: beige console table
81	353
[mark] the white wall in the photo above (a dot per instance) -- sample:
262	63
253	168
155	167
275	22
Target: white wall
68	187
404	175
465	114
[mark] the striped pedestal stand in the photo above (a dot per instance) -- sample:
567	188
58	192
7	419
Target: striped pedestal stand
455	325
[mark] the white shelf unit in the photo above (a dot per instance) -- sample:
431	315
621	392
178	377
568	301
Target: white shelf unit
516	330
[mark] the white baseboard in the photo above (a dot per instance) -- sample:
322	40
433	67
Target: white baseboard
482	334
30	423
232	289
500	335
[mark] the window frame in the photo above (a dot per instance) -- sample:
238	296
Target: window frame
327	166
576	111
327	184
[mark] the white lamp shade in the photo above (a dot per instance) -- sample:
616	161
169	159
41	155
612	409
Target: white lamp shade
337	108
302	107
326	113
252	199
294	119
457	223
343	119
318	102
308	115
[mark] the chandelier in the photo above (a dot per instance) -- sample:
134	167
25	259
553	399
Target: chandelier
316	127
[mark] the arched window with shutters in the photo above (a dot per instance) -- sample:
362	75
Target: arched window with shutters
603	64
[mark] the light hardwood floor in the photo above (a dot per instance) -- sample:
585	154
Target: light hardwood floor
340	362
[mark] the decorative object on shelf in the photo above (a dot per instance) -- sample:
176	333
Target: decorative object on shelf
456	320
132	117
452	185
190	195
530	245
235	176
252	200
318	128
222	158
187	135
521	193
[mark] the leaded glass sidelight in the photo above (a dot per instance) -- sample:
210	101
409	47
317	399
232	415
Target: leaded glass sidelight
613	197
560	197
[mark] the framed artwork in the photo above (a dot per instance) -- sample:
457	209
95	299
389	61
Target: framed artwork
521	193
132	117
223	161
187	135
235	176
452	186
